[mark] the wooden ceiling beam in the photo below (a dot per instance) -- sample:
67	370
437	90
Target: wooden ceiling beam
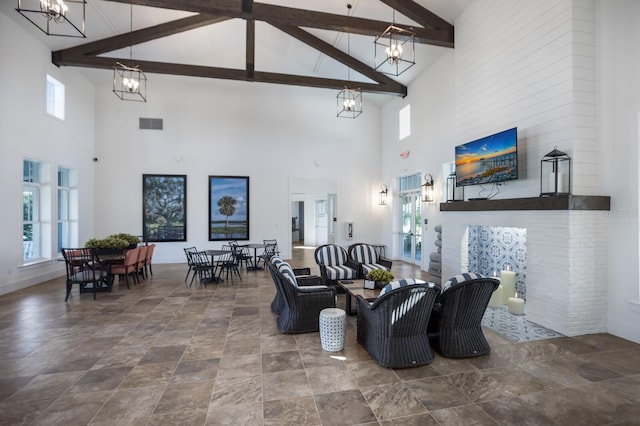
61	58
422	16
340	56
282	15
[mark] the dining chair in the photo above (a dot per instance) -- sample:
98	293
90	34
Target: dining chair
83	268
142	262
127	267
187	252
203	267
148	268
242	254
229	263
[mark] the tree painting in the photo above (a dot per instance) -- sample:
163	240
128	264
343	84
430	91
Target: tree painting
164	207
228	208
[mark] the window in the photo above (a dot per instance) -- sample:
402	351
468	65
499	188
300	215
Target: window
55	97
67	208
410	183
36	211
31	210
404	122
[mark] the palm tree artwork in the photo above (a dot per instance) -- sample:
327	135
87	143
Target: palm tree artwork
228	208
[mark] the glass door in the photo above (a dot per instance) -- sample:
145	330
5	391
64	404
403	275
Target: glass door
411	229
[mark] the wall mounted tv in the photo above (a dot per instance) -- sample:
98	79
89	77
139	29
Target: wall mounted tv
490	159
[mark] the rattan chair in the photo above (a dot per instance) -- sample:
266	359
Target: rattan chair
335	264
455	329
393	328
302	305
303	278
367	259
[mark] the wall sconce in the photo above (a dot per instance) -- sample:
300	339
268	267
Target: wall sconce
383	195
427	189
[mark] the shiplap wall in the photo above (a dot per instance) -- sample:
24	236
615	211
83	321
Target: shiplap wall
530	65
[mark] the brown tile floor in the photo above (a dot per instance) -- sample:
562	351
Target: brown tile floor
163	353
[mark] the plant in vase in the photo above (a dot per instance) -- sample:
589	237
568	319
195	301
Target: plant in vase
381	277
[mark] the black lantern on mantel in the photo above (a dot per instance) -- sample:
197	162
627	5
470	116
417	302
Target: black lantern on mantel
555	174
454	193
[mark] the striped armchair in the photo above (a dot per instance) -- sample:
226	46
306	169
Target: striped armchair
335	264
367	259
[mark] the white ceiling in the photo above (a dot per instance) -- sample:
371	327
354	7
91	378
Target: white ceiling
223	44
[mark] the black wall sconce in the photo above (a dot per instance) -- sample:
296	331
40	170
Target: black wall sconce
427	189
383	195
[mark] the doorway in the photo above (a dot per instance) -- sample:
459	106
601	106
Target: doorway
411	228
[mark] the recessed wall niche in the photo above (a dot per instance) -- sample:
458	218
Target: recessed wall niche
494	248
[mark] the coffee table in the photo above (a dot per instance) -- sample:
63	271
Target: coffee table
354	288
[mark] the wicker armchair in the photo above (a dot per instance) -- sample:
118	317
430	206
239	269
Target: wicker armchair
393	328
303	278
302	305
367	259
335	264
455	329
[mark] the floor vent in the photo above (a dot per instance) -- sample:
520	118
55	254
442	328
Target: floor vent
151	123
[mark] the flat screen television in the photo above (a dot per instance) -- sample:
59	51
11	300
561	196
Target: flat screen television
490	159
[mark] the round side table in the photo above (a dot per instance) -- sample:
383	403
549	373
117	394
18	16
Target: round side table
333	323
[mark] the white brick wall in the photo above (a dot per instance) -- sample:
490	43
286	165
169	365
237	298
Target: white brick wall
566	252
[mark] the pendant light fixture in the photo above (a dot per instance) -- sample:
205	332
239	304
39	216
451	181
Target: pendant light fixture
129	82
55	17
394	49
349	100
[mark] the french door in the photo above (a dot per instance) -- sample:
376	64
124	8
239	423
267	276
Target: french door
411	229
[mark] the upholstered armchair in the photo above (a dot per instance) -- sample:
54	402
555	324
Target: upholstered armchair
393	328
302	305
455	329
335	264
367	259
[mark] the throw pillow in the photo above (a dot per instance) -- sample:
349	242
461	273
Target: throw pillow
399	283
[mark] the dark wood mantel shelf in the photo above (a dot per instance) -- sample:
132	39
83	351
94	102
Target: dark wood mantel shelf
566	202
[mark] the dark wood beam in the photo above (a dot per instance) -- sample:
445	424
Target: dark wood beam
340	56
282	15
251	48
422	16
62	59
143	35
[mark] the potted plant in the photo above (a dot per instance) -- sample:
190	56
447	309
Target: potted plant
381	277
115	243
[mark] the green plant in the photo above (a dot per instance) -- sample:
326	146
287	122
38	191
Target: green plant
116	241
380	275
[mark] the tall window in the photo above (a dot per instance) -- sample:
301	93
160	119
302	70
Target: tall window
67	208
404	122
55	97
31	226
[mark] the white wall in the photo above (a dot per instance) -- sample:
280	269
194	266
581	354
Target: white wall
618	46
26	131
276	135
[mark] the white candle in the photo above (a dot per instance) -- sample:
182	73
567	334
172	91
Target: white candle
516	305
497	298
508	281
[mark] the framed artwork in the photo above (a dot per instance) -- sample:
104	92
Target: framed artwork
164	207
228	208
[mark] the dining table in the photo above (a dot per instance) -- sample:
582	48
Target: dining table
214	253
255	247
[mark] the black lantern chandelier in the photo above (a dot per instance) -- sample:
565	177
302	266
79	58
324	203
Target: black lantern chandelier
55	17
129	82
349	100
394	50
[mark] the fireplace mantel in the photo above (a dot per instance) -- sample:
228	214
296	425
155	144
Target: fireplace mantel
562	202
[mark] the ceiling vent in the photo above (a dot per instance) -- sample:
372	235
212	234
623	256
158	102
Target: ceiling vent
150	123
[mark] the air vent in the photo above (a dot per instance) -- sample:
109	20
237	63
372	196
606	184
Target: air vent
151	123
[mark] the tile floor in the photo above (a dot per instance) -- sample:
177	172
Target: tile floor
162	353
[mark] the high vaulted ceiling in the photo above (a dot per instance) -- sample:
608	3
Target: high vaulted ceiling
293	42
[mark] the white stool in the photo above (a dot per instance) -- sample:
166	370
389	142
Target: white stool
333	323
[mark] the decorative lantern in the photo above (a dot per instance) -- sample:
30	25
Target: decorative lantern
555	174
427	189
454	193
383	195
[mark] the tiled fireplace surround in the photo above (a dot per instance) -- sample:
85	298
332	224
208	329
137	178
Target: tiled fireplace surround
566	287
